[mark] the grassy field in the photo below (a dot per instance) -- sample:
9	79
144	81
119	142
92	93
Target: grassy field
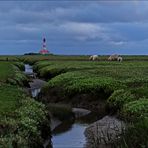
6	71
8	58
124	79
77	81
123	85
11	78
35	58
9	94
9	98
20	116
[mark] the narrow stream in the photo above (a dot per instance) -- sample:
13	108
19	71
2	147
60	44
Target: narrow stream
28	69
72	137
68	134
35	84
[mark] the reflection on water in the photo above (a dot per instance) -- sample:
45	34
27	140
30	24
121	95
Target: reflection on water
35	84
73	138
28	68
70	134
35	92
63	127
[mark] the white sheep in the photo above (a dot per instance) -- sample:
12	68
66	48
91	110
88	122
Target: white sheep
113	57
94	58
119	59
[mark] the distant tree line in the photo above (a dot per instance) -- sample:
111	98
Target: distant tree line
32	53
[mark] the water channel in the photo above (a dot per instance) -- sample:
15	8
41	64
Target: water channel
68	134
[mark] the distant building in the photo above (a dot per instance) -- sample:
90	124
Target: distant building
44	50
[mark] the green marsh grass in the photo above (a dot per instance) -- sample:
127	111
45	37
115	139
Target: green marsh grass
126	82
6	71
21	118
9	98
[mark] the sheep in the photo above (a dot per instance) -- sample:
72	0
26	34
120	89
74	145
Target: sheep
94	58
113	57
120	59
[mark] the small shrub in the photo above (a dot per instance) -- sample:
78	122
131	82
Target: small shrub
18	78
81	82
135	109
20	65
136	135
24	130
119	98
140	92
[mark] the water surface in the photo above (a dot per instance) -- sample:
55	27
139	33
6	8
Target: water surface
70	134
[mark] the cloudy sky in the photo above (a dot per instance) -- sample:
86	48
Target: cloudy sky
74	27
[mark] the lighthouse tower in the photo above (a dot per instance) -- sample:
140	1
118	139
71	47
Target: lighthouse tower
44	50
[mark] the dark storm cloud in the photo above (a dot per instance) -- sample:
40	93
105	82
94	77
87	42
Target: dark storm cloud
80	27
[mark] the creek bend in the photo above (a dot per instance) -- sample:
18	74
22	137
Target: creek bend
69	133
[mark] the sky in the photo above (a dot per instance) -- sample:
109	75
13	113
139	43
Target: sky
79	27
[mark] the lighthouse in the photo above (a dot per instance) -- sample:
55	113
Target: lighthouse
44	49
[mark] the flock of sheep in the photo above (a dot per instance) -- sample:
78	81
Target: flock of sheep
113	57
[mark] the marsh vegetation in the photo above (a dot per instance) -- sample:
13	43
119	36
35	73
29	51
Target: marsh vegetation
108	87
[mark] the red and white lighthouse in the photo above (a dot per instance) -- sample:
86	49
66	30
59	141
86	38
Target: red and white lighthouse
44	49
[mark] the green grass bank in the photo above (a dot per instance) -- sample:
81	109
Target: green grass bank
123	87
24	122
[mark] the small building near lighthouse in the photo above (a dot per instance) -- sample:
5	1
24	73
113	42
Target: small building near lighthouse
44	49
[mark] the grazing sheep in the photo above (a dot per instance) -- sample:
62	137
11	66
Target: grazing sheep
94	58
113	57
120	59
